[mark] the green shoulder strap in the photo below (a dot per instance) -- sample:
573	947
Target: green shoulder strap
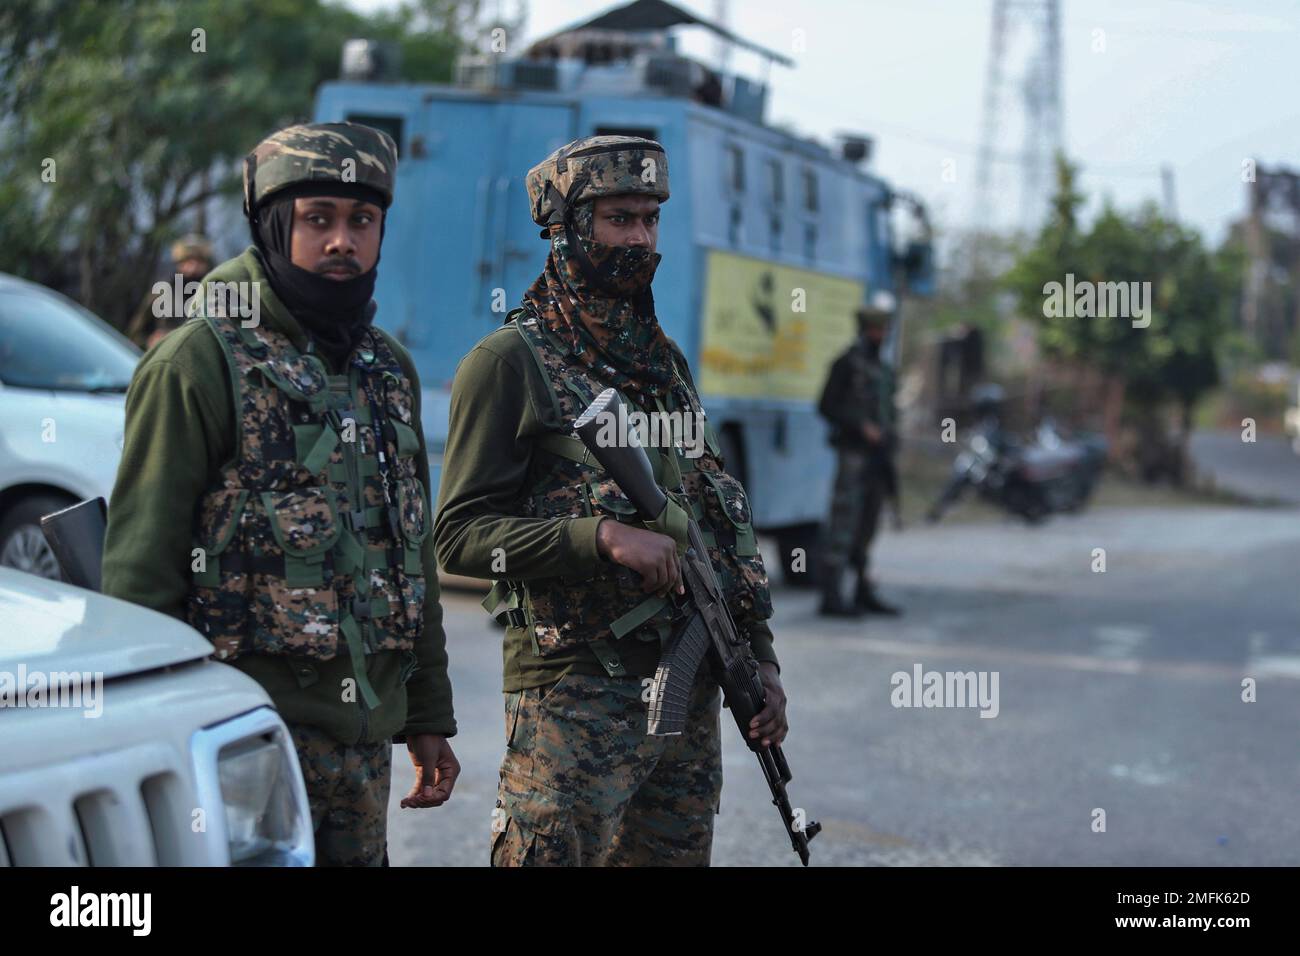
566	446
544	380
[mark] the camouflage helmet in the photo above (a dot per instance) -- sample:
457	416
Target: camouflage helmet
192	246
318	152
587	169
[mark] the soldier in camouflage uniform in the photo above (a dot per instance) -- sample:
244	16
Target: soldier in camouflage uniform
273	487
160	314
858	401
581	584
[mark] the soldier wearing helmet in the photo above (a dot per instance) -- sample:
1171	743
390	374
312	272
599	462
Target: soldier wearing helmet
164	308
273	487
858	403
581	586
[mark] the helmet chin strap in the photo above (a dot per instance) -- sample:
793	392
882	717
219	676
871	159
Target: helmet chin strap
559	209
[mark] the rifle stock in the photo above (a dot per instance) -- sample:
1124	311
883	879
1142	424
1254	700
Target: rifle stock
624	459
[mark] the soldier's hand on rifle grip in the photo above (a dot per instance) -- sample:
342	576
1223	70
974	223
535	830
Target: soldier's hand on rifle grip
649	553
872	433
770	723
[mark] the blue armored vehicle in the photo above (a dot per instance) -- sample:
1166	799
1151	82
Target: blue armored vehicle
770	241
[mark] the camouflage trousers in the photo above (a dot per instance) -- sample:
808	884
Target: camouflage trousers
347	788
855	512
582	784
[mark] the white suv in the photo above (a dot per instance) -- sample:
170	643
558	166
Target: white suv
125	745
92	772
63	379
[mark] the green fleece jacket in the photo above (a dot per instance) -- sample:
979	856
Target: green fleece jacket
180	433
493	427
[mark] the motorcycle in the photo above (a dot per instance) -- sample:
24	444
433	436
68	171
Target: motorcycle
1050	476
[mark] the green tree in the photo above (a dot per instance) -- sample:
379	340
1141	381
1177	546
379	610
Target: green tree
117	120
429	34
1172	362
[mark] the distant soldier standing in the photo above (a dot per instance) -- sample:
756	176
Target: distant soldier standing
273	488
158	315
581	584
858	401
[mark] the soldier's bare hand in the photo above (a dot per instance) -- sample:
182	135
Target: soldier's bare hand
769	724
872	433
649	553
436	770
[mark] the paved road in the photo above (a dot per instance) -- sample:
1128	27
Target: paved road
1118	690
1266	469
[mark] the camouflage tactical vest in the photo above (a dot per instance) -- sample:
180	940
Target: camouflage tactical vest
601	611
313	536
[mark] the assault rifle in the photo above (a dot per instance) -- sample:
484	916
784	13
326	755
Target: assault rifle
708	634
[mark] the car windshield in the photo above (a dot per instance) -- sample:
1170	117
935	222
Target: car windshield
47	342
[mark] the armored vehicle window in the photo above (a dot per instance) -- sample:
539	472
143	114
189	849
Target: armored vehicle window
882	226
392	125
810	190
736	163
776	181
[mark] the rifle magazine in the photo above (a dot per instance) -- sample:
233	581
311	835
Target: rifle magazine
674	678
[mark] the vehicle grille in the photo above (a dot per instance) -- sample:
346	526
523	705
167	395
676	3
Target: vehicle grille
130	807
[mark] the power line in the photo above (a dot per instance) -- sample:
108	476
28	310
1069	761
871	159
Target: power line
1137	170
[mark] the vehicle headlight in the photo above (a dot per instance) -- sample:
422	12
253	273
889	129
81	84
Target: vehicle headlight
258	800
247	777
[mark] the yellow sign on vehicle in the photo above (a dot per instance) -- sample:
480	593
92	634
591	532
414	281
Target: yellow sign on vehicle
770	330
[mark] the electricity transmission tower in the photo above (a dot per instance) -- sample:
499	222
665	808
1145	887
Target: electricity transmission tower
1023	83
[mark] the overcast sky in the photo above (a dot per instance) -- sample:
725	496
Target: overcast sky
1198	86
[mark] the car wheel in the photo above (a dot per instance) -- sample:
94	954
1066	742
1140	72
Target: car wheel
22	543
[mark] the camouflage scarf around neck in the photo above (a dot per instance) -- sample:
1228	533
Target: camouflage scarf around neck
596	299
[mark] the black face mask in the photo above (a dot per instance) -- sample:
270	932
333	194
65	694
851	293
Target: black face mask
869	345
335	315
